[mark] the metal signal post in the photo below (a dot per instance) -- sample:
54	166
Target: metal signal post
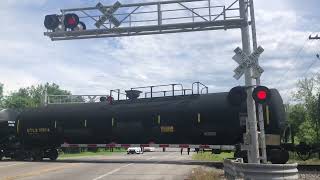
165	17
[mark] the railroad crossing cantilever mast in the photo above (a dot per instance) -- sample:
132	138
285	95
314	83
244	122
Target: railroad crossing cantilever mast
162	17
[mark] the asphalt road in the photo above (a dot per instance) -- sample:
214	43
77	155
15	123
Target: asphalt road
150	165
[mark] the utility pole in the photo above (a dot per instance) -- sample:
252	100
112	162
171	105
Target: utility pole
253	152
316	37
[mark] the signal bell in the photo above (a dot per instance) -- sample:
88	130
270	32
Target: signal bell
261	95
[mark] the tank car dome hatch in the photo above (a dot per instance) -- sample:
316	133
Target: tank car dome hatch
133	94
8	115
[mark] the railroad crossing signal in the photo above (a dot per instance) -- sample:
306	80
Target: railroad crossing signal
246	62
261	95
108	14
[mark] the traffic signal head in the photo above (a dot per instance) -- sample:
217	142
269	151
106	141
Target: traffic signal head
51	22
237	95
261	95
71	20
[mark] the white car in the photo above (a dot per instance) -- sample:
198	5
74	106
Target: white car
149	149
134	150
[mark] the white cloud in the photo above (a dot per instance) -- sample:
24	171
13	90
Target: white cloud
94	66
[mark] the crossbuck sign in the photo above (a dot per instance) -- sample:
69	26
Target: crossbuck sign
246	62
108	14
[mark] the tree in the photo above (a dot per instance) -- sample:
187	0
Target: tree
32	96
304	117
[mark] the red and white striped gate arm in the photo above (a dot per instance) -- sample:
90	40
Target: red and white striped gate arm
221	147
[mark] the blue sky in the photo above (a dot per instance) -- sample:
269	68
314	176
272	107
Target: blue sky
95	66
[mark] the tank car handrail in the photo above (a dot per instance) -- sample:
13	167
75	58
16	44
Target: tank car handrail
118	92
198	87
183	92
152	87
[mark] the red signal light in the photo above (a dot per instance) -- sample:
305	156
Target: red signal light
71	20
261	94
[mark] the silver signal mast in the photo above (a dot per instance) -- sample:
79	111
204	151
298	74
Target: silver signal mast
175	16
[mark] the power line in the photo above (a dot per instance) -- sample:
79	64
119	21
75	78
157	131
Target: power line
294	63
306	71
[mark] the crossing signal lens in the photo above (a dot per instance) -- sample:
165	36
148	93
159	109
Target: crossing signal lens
237	96
261	94
51	22
71	21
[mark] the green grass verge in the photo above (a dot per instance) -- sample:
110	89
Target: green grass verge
207	156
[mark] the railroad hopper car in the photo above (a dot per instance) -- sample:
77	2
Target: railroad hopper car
208	119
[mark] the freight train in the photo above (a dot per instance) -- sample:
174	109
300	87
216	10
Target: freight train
194	118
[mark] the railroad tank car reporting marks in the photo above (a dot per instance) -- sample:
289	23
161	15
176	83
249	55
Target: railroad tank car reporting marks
167	129
209	133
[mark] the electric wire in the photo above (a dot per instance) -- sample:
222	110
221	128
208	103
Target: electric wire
294	63
305	73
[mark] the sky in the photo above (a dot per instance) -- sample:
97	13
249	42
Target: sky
95	66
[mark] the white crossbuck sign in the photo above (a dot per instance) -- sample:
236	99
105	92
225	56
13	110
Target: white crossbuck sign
246	62
108	14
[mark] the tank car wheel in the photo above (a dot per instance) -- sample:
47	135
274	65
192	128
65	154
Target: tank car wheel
53	154
304	155
278	156
303	151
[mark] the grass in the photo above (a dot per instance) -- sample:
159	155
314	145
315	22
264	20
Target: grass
87	153
202	173
207	156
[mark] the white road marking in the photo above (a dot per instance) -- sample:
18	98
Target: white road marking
12	165
111	172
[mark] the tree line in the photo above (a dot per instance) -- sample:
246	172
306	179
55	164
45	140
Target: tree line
32	96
